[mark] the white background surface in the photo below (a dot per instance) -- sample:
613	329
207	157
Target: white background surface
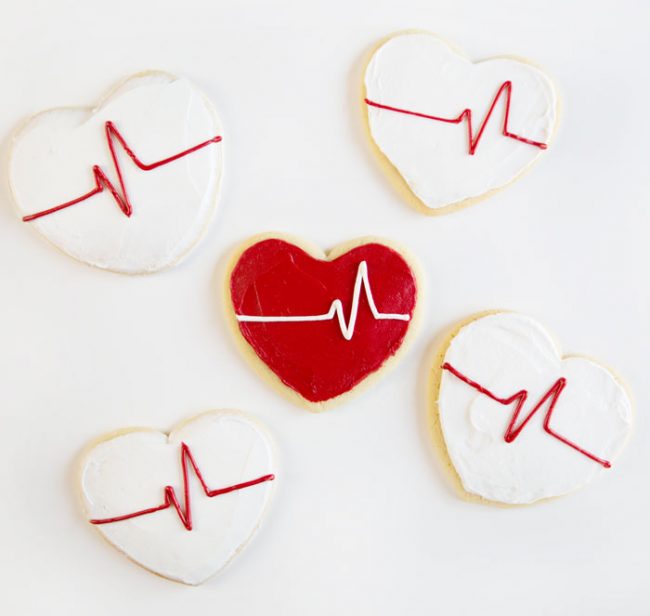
364	520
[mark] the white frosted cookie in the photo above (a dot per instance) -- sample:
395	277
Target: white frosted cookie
520	422
322	325
456	130
129	185
182	505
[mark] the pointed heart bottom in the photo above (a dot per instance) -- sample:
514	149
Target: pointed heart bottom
181	505
323	326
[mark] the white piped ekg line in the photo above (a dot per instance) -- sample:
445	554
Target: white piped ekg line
336	309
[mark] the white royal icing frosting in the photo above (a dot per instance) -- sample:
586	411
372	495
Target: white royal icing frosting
420	72
129	472
506	353
158	115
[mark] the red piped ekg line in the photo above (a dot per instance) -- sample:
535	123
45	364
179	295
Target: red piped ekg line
171	500
466	114
520	398
102	182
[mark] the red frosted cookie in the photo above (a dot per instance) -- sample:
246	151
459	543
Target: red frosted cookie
322	324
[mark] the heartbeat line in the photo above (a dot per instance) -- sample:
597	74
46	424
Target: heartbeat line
336	309
520	398
466	114
184	512
102	182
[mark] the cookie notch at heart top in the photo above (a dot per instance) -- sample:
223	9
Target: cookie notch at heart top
322	325
183	504
129	185
452	131
515	420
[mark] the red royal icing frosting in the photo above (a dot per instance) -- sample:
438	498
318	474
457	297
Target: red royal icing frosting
184	511
274	277
519	398
102	181
473	138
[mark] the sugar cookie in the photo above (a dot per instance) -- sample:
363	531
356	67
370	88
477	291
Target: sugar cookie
456	130
128	186
182	505
322	324
520	422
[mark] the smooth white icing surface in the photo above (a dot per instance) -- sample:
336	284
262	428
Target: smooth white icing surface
421	73
129	473
158	115
506	353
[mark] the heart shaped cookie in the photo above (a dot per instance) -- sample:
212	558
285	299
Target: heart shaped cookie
520	422
322	325
456	130
128	186
182	505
